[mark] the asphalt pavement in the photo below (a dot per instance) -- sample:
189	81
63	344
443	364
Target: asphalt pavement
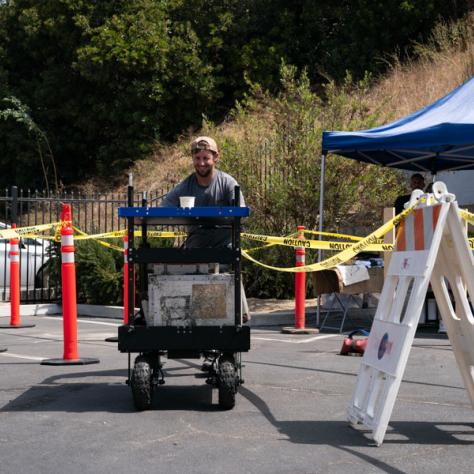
289	416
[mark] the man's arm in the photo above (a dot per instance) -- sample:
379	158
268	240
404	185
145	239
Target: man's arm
171	199
242	200
231	192
399	203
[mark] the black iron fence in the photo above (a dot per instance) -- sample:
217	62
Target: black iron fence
91	213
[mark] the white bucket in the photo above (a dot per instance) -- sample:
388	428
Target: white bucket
186	201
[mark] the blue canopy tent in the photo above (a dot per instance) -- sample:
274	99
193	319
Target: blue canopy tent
439	137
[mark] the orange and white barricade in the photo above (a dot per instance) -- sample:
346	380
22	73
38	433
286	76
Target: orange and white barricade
68	291
431	246
15	320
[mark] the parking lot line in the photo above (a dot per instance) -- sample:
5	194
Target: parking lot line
20	356
291	341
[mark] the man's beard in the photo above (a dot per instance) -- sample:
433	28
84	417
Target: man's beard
204	173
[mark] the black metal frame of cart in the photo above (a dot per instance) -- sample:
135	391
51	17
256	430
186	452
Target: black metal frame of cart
182	342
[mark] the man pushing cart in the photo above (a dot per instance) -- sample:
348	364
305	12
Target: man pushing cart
190	307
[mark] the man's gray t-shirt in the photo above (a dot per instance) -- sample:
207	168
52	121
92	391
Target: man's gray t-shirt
220	192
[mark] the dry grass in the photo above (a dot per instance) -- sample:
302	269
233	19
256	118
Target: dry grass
442	65
165	167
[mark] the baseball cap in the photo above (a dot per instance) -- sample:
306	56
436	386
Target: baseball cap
204	143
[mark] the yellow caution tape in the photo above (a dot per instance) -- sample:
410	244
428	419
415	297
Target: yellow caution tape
254	249
101	242
163	234
467	216
343	256
21	231
372	242
332	234
327	245
57	232
104	235
120	233
38	237
315	244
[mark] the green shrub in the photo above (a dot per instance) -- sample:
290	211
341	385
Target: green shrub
99	274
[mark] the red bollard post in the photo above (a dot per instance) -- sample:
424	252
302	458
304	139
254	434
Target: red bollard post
125	279
68	283
300	284
300	292
125	287
15	322
14	281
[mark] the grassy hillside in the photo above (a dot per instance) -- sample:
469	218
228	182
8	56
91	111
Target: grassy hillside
440	66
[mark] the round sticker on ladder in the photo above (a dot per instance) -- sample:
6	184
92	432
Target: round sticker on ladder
382	346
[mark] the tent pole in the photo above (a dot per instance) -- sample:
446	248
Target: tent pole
321	223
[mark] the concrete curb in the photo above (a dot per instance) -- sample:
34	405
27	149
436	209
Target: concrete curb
90	310
32	309
272	319
277	318
116	312
108	312
293	330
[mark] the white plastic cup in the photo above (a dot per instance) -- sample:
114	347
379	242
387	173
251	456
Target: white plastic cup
186	201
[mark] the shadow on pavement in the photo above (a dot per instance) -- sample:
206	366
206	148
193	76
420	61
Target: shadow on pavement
340	435
351	374
69	393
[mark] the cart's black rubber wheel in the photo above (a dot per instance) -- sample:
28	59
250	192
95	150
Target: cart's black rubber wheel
227	384
141	384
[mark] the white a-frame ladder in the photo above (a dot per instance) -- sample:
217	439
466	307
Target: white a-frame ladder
431	245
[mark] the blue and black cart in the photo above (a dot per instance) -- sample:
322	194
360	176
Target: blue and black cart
222	345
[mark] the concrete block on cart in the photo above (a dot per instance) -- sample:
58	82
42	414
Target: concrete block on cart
180	269
191	300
